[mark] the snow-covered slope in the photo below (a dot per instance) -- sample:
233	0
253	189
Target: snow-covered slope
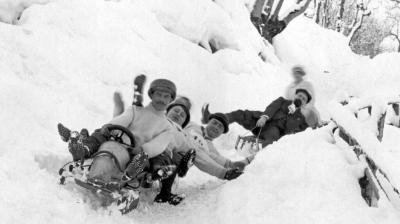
63	60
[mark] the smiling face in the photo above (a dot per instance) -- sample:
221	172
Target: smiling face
302	97
177	114
160	100
214	128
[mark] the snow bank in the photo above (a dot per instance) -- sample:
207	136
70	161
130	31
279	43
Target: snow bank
11	10
365	137
330	63
303	178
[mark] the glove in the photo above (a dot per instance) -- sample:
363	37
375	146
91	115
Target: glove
105	131
261	122
232	174
292	108
239	165
77	147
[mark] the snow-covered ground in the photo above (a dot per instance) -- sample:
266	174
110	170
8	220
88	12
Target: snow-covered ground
62	61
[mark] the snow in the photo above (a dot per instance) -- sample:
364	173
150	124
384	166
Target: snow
366	137
63	60
288	181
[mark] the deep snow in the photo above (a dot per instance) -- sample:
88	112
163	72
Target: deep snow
63	60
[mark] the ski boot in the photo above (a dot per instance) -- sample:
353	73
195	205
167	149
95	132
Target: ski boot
186	162
135	167
75	141
205	113
164	172
172	199
138	85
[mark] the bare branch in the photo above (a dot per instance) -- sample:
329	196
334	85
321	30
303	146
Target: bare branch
277	10
361	12
317	11
268	7
297	12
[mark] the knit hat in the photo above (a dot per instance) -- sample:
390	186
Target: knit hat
184	107
299	69
222	118
184	100
305	92
164	85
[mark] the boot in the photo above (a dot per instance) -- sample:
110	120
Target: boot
138	85
205	113
78	145
173	199
135	166
186	162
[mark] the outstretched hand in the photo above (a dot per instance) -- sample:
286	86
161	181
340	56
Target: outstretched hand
105	131
239	165
232	174
261	122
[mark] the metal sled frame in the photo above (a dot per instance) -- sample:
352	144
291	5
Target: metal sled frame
124	194
254	142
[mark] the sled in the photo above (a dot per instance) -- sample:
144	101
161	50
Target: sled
103	175
248	145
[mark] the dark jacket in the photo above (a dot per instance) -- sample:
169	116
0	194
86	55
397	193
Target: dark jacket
278	113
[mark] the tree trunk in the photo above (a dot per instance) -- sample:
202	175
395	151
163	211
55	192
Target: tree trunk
341	9
257	9
297	12
324	13
270	26
268	7
339	21
358	20
317	12
398	42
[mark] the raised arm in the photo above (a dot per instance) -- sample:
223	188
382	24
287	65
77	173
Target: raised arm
273	107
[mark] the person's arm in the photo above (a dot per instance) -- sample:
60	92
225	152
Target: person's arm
217	157
273	107
206	164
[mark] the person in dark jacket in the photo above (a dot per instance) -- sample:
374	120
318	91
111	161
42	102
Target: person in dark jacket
280	118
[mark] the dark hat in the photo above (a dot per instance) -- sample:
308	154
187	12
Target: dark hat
299	69
184	107
163	85
222	118
309	98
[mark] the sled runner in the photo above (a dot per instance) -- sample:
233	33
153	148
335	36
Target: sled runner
103	174
251	144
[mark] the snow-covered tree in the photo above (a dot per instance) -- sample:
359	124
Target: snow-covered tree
367	39
266	16
393	19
